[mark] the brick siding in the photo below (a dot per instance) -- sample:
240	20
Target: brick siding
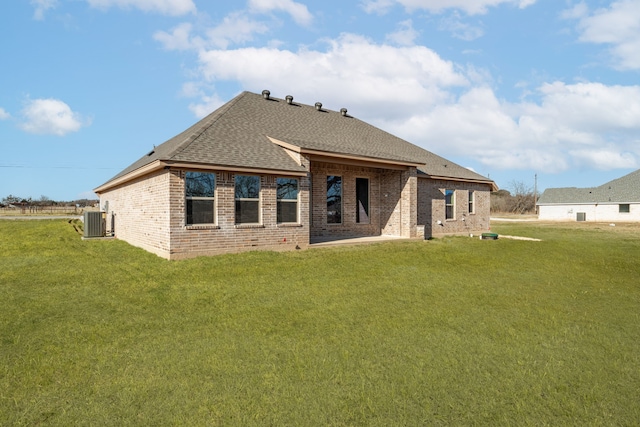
141	212
431	207
150	212
391	193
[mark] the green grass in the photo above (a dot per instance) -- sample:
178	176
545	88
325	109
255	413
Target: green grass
453	331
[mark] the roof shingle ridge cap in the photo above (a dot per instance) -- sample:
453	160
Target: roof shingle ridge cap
181	146
623	179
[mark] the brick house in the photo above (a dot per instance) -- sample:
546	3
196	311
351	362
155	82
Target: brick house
268	173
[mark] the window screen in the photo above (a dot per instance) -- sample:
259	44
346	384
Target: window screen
247	199
287	199
200	197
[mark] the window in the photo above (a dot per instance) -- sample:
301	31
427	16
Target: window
362	200
472	199
200	192
449	202
334	199
247	199
624	208
287	195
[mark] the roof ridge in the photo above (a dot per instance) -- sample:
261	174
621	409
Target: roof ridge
623	178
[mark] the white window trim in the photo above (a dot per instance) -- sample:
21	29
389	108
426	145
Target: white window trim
453	204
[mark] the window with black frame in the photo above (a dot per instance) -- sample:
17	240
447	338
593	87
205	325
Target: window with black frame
287	200
362	199
200	197
334	199
247	195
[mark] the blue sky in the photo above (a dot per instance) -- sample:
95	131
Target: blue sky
508	88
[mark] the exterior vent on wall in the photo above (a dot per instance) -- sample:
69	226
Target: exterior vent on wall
581	216
94	224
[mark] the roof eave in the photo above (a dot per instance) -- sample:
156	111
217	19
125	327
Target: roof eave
494	186
336	155
166	164
144	170
243	169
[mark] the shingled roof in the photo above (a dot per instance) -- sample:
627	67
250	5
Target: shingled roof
622	190
247	133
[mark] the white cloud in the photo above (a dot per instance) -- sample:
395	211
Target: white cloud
297	11
593	107
412	92
50	116
470	7
178	39
405	36
379	79
460	29
236	28
586	124
4	115
617	26
165	7
206	106
377	6
41	6
578	11
605	159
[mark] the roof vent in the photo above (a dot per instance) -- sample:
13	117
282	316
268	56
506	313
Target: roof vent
319	106
343	111
265	94
289	99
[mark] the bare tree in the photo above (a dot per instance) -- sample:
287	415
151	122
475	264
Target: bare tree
523	198
520	200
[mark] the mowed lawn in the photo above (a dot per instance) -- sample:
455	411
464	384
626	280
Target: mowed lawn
452	331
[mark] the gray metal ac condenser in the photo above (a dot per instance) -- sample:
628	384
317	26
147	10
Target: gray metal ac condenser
94	224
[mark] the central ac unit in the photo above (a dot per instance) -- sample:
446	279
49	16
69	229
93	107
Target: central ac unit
94	224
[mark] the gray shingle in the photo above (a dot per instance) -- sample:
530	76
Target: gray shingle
621	190
236	135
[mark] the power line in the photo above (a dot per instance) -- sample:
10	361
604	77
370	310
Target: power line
56	167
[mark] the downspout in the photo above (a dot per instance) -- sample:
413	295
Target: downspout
400	202
380	196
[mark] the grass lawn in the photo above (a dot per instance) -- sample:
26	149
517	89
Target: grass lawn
452	331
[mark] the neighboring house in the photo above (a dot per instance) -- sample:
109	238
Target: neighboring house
615	201
268	173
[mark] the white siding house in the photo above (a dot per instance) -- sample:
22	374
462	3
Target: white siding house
615	201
